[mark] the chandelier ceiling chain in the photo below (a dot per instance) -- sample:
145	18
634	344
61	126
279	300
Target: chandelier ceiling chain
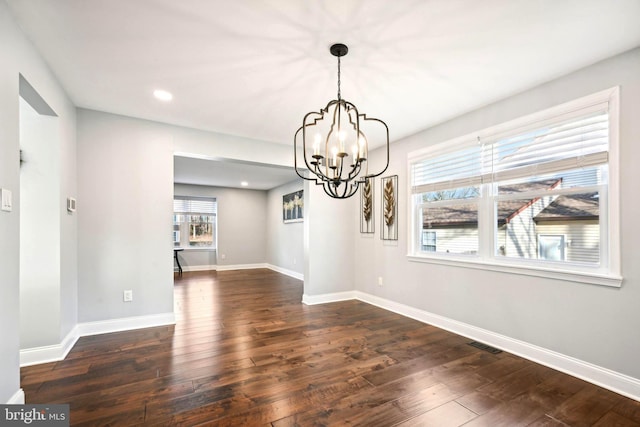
332	130
339	97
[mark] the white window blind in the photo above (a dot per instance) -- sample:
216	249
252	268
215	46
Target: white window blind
459	168
194	205
576	140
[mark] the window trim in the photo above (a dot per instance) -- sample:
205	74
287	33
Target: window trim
606	274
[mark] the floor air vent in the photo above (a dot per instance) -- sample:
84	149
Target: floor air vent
485	347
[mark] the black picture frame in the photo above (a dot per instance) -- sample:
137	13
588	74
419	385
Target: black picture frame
293	207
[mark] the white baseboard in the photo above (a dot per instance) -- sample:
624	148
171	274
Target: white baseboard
125	324
49	353
326	298
286	272
55	353
603	377
198	268
241	266
17	398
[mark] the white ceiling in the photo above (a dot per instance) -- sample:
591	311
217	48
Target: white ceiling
253	68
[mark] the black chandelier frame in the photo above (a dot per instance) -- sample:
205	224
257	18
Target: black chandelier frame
339	178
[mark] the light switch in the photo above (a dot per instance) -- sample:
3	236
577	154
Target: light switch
6	200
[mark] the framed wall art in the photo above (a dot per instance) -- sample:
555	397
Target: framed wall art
293	207
389	208
367	221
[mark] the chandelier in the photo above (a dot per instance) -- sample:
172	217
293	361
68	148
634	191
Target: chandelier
334	143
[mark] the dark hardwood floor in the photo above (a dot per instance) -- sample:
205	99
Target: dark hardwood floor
246	352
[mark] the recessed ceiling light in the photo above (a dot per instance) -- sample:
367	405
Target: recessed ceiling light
244	183
162	95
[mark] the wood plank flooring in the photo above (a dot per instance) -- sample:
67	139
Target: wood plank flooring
246	352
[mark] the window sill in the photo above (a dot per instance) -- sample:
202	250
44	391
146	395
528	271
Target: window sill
188	249
588	277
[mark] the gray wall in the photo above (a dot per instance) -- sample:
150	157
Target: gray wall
285	242
591	323
125	182
125	171
330	255
20	57
242	226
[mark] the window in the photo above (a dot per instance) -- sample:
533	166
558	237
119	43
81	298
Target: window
551	247
429	241
194	222
537	193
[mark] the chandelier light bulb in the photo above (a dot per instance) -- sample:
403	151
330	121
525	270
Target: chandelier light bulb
342	137
363	147
316	148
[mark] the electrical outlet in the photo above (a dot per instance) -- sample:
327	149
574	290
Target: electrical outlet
294	261
380	281
127	295
223	256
